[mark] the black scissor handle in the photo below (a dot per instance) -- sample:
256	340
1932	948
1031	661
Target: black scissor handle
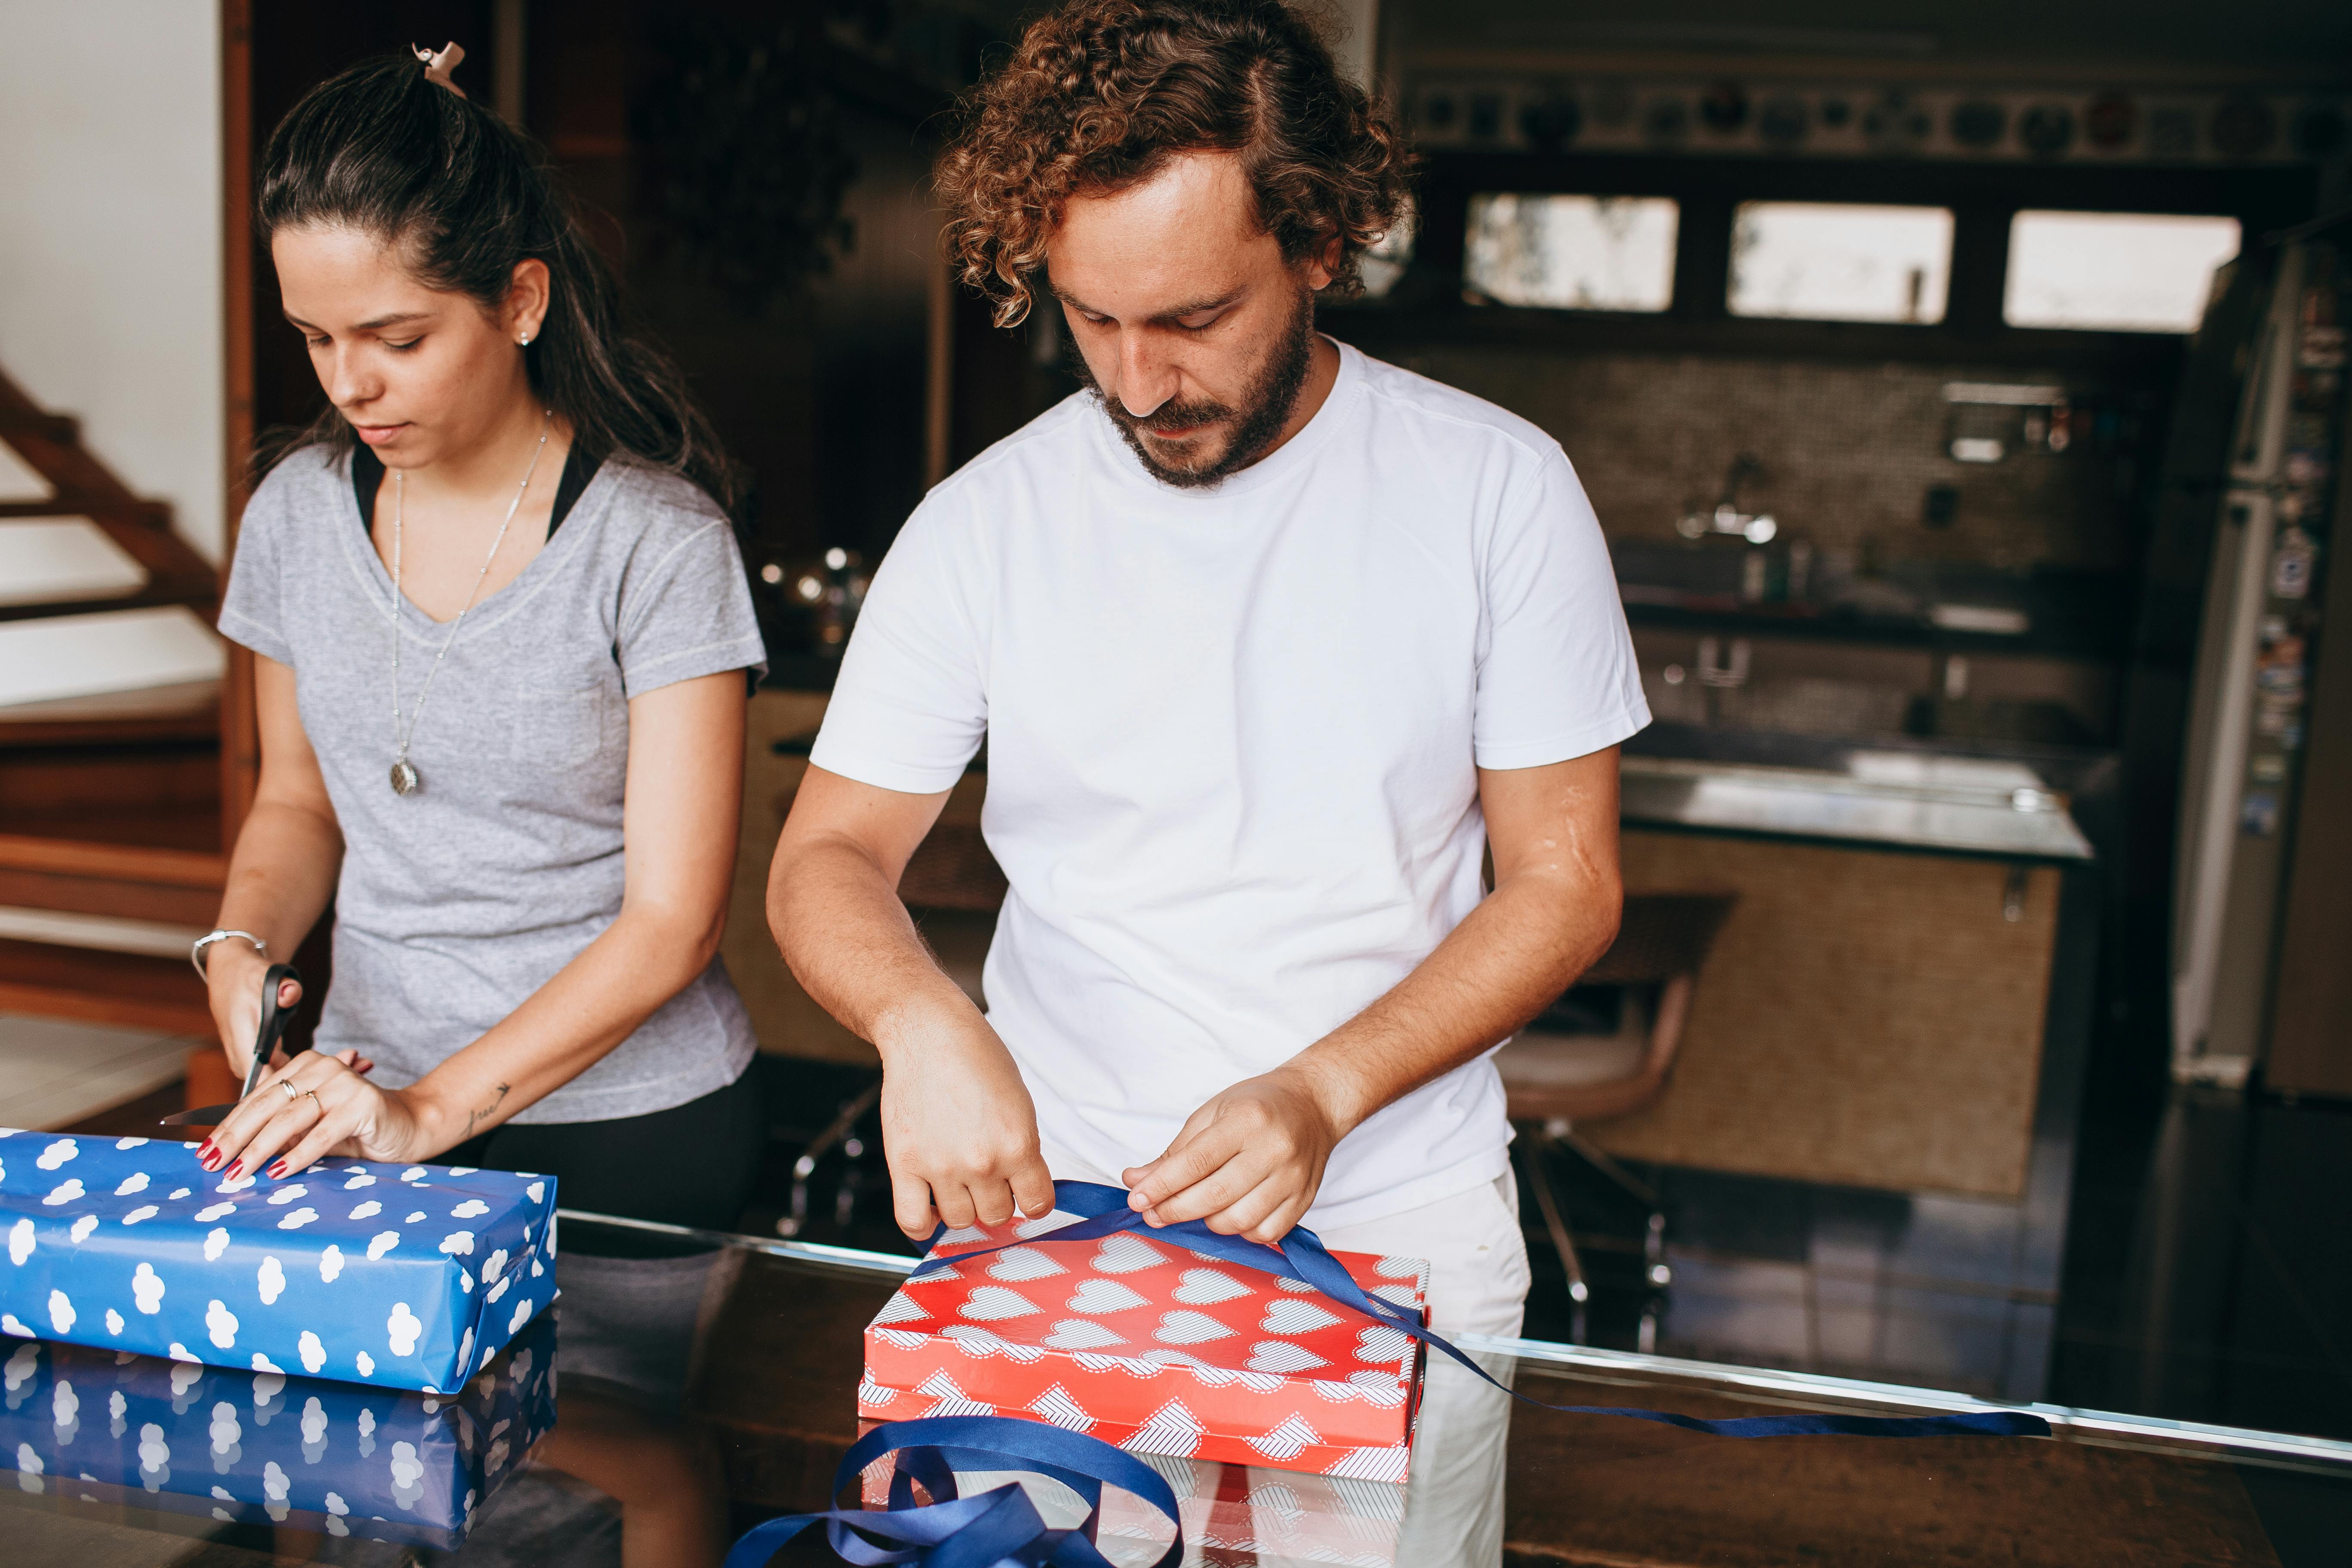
274	1021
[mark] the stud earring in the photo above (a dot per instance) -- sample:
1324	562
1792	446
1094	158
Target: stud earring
523	341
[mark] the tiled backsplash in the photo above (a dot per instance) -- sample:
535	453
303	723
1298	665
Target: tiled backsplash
1849	453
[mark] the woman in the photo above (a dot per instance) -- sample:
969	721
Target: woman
502	630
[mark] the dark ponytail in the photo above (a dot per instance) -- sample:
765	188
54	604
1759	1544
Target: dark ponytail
381	149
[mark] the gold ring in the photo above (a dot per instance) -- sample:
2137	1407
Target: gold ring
293	1094
316	1103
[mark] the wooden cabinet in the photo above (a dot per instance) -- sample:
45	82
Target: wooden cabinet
1866	1018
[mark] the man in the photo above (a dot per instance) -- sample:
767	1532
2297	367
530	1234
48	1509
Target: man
1268	641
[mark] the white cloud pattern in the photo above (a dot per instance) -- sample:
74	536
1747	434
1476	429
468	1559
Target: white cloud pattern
402	1329
272	1281
147	1288
314	1356
220	1323
330	1263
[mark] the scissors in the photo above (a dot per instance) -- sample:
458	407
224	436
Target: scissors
274	1021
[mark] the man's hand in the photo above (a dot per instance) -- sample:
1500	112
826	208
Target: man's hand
958	1127
1249	1161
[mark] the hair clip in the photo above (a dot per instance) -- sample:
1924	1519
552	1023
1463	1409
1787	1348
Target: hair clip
437	67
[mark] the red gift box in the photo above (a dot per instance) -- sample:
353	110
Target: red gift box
1137	1341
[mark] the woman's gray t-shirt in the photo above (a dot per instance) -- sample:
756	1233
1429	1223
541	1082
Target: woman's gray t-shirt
456	902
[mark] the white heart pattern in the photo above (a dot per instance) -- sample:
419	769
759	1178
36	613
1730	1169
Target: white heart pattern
900	1308
1285	1442
1291	1315
1206	1288
1181	1327
1100	1296
1383	1347
990	1302
1023	1263
1282	1356
1125	1254
1081	1334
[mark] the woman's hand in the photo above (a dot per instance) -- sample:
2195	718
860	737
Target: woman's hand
312	1107
234	972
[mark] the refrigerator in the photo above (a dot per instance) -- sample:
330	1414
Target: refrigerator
2261	863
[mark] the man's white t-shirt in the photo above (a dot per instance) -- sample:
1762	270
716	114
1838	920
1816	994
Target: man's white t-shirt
1232	741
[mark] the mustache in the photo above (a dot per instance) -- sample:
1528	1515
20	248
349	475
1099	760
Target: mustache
1171	416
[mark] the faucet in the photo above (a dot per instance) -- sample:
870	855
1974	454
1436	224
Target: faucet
1726	517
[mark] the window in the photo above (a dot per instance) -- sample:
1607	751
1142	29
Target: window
1826	261
1576	253
2117	272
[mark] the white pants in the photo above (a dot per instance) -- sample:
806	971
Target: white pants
1477	1284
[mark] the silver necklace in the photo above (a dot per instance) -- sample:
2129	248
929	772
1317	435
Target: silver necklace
405	779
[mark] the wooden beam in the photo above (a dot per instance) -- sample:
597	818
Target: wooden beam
96	987
114	862
240	733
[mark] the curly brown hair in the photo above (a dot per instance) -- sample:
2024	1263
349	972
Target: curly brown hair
1100	94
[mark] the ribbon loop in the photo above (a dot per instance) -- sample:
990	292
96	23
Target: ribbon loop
997	1528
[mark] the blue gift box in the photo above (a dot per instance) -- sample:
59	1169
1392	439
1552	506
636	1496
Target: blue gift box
407	1276
109	1427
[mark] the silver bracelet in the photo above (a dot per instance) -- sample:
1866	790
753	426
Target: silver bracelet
197	952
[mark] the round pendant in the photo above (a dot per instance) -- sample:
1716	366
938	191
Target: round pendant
404	778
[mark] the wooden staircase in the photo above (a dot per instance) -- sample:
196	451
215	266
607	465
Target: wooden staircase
110	852
83	487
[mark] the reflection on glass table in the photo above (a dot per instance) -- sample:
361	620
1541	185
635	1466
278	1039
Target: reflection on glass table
702	1382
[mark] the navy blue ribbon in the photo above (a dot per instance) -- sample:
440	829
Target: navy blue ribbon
1103	1211
998	1529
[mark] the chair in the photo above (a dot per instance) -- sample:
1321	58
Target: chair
1555	1078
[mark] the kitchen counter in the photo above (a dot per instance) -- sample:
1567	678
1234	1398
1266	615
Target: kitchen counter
1936	799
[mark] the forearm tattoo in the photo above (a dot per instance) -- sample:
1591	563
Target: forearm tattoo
475	1116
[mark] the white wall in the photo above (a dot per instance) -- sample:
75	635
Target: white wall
110	237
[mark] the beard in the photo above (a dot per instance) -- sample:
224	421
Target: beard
1256	424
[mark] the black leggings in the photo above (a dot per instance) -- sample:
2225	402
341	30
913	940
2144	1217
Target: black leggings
693	1164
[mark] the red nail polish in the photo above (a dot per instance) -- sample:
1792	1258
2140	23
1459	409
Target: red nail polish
212	1160
205	1150
234	1166
278	1170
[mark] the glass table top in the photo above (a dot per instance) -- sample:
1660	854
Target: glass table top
707	1382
